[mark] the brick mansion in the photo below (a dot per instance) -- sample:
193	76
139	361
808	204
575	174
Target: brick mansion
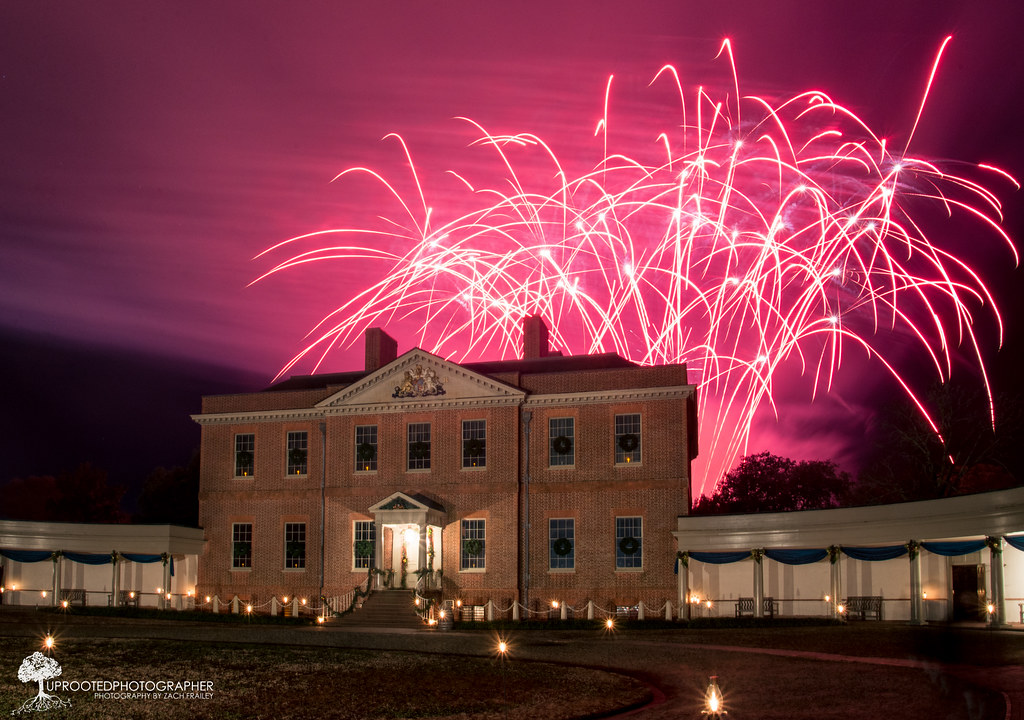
519	480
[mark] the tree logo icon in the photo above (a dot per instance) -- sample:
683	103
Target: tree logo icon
38	668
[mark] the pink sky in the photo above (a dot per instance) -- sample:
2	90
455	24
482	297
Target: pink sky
151	150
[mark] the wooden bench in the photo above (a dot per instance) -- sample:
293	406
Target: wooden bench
73	596
627	612
860	606
745	606
125	598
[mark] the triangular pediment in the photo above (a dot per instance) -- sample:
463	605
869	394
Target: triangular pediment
399	501
418	378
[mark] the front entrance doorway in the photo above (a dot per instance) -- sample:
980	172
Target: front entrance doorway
969	592
409	540
402	553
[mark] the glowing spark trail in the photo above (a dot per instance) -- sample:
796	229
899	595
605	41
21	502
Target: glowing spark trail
784	240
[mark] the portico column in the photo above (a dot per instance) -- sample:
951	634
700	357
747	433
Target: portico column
116	582
58	572
164	604
916	604
421	563
378	551
995	556
683	585
834	585
758	554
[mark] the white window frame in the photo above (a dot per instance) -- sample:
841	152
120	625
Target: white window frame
296	440
244	442
367	434
364	530
473	529
557	427
235	528
628	424
559	528
290	529
629	526
474	430
418	432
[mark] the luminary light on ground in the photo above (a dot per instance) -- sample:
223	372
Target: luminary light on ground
713	707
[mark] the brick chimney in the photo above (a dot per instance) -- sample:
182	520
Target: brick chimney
535	338
381	349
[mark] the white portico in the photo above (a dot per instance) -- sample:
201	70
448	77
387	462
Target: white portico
408	537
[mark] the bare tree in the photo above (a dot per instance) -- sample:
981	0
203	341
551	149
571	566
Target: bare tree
914	462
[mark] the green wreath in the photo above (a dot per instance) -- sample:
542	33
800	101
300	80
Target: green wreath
297	456
366	451
419	450
474	447
244	458
473	546
629	442
562	546
629	545
561	445
364	548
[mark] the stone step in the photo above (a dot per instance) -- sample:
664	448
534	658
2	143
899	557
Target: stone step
385	608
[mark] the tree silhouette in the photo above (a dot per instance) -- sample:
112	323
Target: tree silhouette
770	483
86	496
29	498
81	495
171	495
39	668
912	462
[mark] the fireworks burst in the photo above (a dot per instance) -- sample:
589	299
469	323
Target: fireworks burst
762	236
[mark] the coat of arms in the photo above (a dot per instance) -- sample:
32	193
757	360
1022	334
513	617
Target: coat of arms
419	382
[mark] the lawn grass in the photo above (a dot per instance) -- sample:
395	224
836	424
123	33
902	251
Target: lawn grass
300	681
259	681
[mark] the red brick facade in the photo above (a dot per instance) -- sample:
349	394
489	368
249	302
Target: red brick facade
418	387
